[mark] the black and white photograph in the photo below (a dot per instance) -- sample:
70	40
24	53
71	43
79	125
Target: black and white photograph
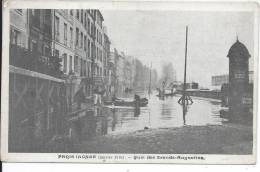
131	85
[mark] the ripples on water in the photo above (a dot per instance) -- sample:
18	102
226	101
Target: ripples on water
158	114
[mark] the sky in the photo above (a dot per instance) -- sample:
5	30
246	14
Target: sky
159	36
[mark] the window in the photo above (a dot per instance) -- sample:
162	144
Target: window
92	50
76	63
88	69
46	51
101	54
85	43
91	29
15	37
88	48
88	26
70	64
81	16
96	35
33	12
78	14
97	71
85	71
71	37
35	18
65	33
85	20
81	39
77	36
47	21
34	46
81	67
57	28
57	53
97	53
64	62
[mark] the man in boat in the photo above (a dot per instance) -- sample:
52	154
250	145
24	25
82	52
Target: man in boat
163	87
137	101
114	98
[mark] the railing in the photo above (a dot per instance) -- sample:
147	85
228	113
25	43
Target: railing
34	61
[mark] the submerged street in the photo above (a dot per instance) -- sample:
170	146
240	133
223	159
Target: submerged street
158	114
159	128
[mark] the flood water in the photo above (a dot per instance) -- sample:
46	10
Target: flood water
158	114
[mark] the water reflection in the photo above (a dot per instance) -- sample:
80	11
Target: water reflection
158	114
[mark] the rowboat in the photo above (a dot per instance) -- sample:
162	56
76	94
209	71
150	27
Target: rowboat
167	94
132	103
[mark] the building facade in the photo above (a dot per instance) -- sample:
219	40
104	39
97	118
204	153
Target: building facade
19	28
77	37
107	70
40	31
79	41
112	64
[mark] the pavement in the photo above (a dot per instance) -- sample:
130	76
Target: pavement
211	139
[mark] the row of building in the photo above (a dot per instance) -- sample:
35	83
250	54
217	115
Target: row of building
79	39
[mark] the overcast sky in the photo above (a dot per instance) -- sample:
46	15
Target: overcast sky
159	36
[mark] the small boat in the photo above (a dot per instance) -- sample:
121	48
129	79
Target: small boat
167	94
120	102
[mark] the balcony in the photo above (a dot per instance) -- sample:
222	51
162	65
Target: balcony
34	61
98	80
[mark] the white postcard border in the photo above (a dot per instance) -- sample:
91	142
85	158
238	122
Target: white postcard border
122	5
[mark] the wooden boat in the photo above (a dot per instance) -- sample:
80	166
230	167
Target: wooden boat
167	94
120	102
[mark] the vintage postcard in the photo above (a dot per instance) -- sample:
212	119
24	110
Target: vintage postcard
129	82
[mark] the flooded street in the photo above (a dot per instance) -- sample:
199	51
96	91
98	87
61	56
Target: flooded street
158	114
159	128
